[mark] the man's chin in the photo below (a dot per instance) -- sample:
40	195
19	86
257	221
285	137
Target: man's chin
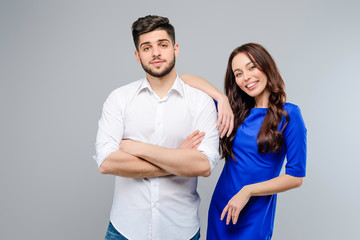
158	74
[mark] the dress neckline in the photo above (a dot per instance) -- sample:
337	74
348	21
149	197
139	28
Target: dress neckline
258	109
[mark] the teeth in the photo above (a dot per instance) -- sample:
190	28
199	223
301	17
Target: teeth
250	85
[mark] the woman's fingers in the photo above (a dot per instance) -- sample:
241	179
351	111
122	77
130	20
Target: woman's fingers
232	213
224	212
231	127
225	123
235	216
224	126
229	211
220	116
229	214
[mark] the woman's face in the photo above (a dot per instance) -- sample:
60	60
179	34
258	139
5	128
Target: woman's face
249	78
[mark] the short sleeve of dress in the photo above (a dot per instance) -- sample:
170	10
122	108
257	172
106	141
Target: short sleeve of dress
295	142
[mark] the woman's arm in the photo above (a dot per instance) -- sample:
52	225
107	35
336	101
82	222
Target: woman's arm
225	122
276	185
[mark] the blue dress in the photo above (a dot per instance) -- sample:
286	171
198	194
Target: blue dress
256	220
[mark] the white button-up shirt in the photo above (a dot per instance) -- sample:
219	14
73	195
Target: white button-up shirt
159	207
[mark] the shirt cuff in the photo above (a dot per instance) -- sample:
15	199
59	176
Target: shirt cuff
212	156
102	154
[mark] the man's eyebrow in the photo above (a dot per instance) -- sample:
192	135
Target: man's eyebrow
163	40
144	43
160	40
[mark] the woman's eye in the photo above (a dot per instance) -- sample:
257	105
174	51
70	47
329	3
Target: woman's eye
252	67
238	74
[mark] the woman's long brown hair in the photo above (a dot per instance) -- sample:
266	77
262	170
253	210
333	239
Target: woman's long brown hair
269	139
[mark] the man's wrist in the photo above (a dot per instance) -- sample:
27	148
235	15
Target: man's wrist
130	147
139	149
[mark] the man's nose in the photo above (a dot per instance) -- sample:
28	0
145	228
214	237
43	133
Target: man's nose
156	51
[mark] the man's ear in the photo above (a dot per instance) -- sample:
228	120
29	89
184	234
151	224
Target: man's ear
176	49
137	56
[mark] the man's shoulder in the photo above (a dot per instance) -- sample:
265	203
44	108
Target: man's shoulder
196	99
133	86
196	94
127	90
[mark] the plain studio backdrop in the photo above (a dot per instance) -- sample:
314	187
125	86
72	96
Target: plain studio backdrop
59	60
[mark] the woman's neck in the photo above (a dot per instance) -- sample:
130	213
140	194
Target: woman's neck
262	101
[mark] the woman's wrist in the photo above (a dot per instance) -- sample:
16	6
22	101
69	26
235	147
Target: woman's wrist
248	190
220	97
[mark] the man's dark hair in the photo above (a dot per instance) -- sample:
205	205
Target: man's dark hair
151	23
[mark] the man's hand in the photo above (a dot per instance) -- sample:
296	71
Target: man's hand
193	141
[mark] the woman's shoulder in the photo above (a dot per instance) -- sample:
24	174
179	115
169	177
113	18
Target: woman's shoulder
291	108
294	113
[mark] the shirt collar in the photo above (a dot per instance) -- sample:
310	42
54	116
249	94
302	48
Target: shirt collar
144	85
177	86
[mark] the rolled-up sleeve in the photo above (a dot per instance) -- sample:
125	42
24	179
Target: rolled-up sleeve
205	121
111	128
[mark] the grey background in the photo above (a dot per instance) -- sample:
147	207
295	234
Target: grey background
60	59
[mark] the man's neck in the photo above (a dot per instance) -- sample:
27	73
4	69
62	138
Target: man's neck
161	86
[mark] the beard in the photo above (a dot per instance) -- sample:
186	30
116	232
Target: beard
163	73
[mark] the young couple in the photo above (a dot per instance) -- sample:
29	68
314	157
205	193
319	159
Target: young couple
157	134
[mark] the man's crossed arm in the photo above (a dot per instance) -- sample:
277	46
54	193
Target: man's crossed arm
141	160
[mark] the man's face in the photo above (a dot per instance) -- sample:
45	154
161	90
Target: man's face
156	53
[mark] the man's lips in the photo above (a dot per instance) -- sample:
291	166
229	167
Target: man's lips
157	62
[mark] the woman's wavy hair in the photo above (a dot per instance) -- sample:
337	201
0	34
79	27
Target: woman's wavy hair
269	139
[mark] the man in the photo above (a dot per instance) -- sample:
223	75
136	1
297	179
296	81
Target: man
142	139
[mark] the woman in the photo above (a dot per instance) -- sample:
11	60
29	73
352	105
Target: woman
268	129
